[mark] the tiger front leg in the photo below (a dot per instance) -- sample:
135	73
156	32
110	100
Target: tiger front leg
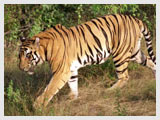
56	83
73	84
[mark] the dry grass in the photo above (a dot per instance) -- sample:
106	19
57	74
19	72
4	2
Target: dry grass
137	98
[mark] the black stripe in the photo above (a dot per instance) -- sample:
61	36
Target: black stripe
154	59
151	54
120	64
77	30
108	26
97	59
52	34
62	28
133	25
45	52
79	59
143	29
74	37
150	49
75	76
35	54
97	49
129	46
73	34
90	50
116	61
135	54
95	23
72	80
106	37
65	32
106	21
95	38
99	21
32	57
59	34
115	17
87	56
92	61
37	61
122	71
83	35
104	54
125	36
118	31
149	44
148	40
80	47
84	62
64	81
146	34
113	25
56	30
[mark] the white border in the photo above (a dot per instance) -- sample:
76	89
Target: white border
80	1
157	59
2	60
157	117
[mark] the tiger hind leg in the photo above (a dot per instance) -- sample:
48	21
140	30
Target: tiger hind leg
144	60
73	84
122	74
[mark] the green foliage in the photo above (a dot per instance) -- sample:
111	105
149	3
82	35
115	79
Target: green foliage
17	101
109	67
78	11
28	20
12	95
35	29
133	66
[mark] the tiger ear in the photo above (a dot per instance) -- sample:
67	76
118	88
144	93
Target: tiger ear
37	42
22	39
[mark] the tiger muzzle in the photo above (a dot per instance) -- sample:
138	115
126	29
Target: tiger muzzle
29	69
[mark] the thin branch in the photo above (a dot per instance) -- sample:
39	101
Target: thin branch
20	30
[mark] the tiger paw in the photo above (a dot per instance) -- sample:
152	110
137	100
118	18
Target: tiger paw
38	103
118	85
73	96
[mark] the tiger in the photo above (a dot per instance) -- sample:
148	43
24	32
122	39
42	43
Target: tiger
93	42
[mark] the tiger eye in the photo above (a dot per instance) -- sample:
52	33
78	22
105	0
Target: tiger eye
28	55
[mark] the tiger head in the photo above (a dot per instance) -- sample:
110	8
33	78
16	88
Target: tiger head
29	55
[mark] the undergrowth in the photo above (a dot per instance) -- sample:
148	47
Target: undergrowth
17	101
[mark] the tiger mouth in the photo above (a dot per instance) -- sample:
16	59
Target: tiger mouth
30	71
